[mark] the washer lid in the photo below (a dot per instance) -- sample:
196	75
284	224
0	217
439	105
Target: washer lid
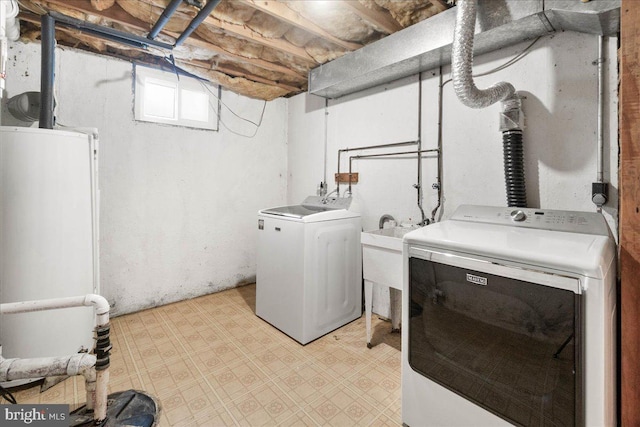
294	211
312	205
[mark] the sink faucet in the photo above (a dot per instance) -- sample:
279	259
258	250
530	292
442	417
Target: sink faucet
384	218
326	197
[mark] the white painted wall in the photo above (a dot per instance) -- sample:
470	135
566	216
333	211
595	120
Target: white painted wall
557	77
178	206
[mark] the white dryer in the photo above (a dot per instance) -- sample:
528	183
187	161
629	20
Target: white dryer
509	317
309	268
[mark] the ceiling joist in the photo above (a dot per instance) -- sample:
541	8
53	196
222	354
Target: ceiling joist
118	15
284	13
258	48
247	33
198	42
240	73
379	18
231	71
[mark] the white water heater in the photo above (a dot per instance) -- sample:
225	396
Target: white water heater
48	237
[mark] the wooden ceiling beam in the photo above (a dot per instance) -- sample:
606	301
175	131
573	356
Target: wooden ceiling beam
247	33
230	71
284	13
377	18
242	73
120	16
115	13
196	41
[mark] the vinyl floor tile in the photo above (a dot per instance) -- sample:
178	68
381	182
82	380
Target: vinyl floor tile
210	361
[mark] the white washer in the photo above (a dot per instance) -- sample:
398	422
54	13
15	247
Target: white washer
509	317
309	268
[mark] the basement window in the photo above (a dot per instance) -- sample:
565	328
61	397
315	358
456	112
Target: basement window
163	97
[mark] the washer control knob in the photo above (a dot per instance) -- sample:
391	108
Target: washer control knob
518	216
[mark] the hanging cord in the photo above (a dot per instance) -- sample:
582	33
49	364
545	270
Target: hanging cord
507	64
175	69
7	396
257	125
229	108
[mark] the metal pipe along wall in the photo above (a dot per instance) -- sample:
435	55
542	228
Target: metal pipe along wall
47	67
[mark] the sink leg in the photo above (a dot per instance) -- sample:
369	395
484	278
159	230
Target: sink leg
395	297
368	302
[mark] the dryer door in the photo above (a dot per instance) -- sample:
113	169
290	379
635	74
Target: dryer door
509	345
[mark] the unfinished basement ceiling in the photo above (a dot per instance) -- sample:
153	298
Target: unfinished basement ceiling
260	49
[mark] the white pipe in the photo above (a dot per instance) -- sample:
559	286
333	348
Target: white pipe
78	364
18	369
95	208
100	304
102	380
462	62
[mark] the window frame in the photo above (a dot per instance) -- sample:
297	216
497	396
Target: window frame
142	74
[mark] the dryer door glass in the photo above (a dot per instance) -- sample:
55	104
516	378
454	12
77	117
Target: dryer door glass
508	345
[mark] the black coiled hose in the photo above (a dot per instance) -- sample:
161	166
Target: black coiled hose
514	168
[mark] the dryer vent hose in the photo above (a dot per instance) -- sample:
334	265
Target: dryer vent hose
514	168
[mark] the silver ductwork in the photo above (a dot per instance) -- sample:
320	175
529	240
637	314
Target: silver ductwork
462	63
427	44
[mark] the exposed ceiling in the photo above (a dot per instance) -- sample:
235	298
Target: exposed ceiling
261	49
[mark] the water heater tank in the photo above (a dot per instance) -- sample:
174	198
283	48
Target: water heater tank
48	238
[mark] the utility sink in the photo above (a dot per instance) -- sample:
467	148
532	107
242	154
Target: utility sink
388	238
382	264
382	255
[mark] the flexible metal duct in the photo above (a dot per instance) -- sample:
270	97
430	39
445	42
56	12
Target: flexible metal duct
462	63
511	116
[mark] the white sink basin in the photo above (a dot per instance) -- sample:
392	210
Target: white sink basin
382	264
388	238
382	255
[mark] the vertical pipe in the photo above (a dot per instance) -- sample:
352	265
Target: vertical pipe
349	190
219	108
338	171
3	50
95	209
423	218
47	64
3	46
440	113
326	123
600	131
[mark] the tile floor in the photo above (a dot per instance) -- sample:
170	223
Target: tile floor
211	362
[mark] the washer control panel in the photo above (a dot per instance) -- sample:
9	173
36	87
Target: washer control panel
544	219
327	202
518	215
